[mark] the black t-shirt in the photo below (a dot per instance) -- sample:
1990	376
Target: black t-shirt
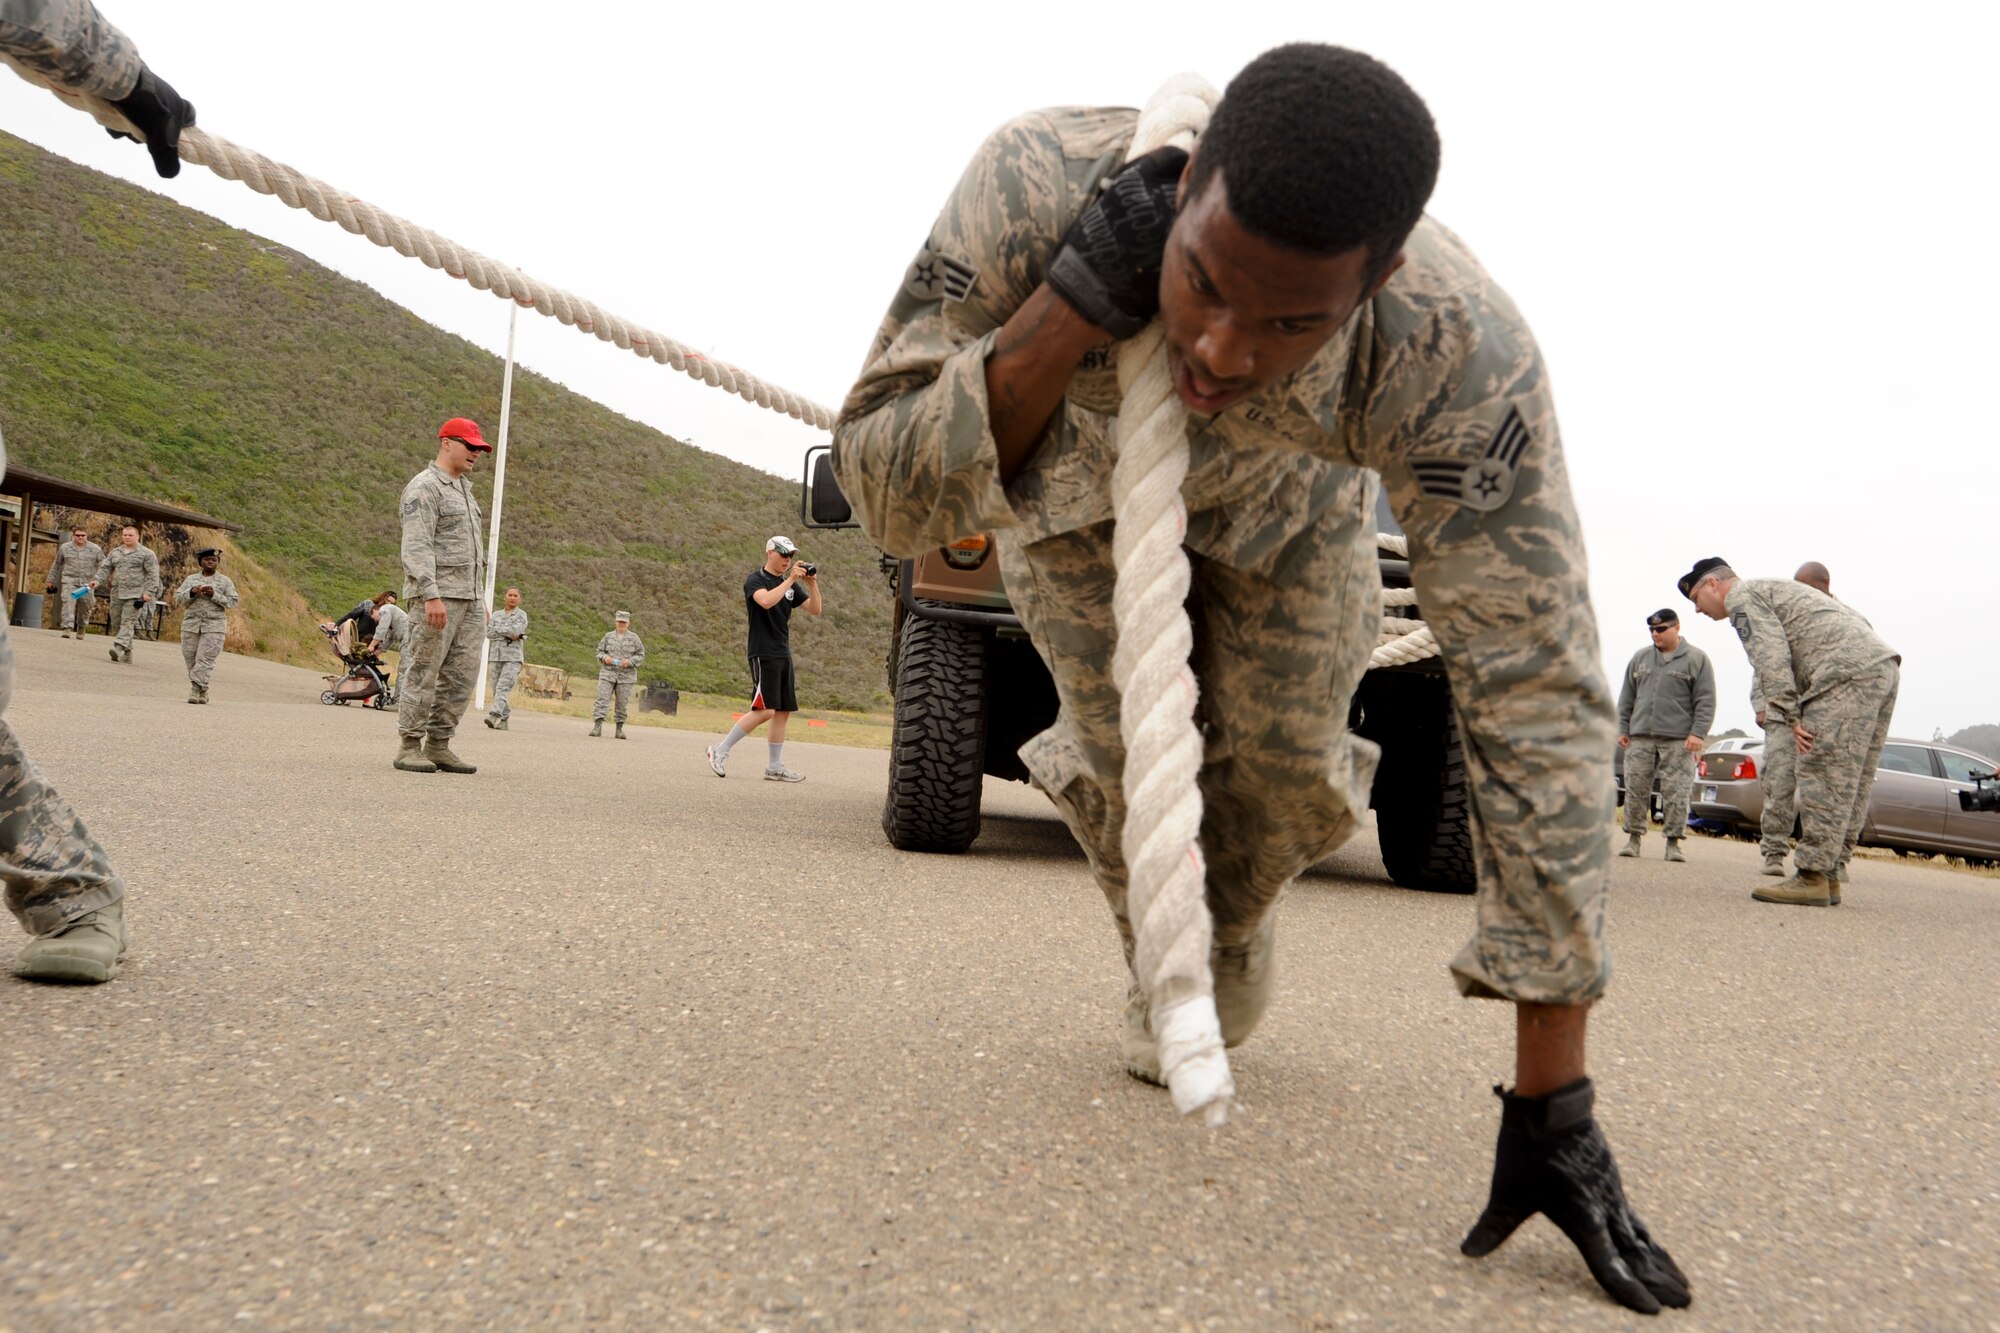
771	631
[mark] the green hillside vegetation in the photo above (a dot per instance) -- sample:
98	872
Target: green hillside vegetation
153	350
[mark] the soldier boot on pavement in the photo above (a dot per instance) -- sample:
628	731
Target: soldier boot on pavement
437	749
1631	847
1808	888
1673	852
411	758
87	948
618	732
597	726
1774	865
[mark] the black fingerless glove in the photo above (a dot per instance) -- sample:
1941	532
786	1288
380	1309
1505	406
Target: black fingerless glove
160	113
1553	1159
1109	263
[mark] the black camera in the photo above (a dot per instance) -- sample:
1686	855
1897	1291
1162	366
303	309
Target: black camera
808	567
1981	797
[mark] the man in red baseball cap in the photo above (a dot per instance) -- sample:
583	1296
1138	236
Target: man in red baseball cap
444	569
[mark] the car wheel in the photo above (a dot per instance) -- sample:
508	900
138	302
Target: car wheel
937	751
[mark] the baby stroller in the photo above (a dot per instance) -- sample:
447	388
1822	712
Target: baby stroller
367	681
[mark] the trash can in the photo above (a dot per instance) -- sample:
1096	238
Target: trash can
27	610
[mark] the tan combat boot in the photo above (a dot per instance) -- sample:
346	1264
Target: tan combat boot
1631	847
86	949
1807	888
194	694
411	757
1673	850
618	732
1774	866
438	751
1834	881
597	726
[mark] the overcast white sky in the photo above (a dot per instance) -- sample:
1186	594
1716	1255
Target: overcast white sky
1759	250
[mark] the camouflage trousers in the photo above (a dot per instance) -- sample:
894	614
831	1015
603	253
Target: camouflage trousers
500	678
74	615
1778	775
439	669
1646	757
1849	723
200	648
609	687
126	615
52	868
1282	782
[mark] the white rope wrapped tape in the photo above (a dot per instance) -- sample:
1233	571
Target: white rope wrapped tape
1167	894
329	204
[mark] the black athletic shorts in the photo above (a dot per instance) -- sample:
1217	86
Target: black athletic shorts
772	685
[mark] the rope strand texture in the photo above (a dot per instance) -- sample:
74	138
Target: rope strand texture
329	204
1156	688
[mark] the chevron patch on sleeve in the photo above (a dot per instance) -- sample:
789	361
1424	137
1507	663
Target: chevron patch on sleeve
1484	483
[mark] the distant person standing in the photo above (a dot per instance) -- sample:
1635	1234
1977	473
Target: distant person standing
130	573
205	597
444	568
1780	776
781	585
70	578
1664	712
619	654
1822	672
508	633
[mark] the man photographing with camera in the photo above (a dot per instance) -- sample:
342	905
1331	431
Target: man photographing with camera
781	585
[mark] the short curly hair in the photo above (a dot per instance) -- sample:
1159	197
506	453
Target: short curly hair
1324	149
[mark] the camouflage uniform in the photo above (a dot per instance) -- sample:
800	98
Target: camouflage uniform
1778	775
1436	385
442	558
1666	698
616	681
53	870
75	566
506	658
130	577
69	42
204	624
1818	662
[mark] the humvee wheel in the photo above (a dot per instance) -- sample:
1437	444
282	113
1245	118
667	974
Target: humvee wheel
937	752
1423	804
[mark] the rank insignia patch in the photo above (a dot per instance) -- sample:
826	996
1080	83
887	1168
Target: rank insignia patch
1482	484
934	277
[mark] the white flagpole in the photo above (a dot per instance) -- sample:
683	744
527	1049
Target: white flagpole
499	493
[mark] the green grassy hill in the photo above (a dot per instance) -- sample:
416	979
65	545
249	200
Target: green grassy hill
153	350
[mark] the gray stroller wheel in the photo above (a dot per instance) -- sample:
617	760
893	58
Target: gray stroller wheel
328	697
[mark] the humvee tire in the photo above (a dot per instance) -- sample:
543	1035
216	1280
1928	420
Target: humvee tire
1423	805
937	750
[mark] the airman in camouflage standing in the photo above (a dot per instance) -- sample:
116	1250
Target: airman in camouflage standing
1779	773
59	884
619	654
70	574
508	633
206	597
130	575
444	569
1664	712
1322	333
1821	672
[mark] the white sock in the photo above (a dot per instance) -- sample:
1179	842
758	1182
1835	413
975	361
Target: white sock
777	755
736	733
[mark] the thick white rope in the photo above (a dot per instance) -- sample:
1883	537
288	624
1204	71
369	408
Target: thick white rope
1403	640
1162	837
329	204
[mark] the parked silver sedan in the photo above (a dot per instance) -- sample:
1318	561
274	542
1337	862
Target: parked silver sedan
1914	806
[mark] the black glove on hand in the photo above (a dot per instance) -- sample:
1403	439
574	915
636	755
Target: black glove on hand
160	114
1109	264
1553	1159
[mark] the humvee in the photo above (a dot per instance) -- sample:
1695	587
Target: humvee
969	690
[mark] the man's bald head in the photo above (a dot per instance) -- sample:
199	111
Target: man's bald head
1813	574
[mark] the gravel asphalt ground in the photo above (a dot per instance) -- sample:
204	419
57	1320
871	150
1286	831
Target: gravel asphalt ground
592	1039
